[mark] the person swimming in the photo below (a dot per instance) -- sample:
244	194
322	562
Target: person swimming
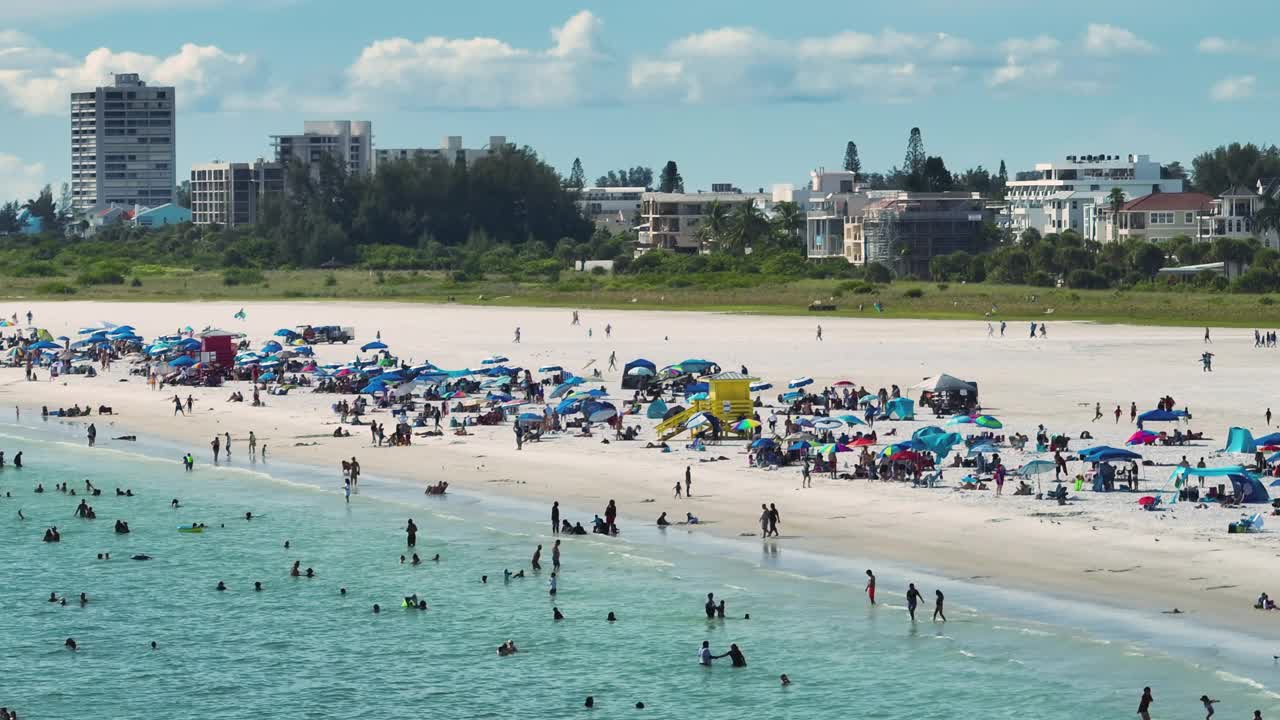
140	557
556	614
221	586
416	560
295	571
612	617
122	527
257	586
71	645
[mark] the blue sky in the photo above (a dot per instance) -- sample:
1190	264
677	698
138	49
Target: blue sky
748	93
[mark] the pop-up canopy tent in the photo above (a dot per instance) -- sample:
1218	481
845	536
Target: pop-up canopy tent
630	380
657	410
1245	486
1240	440
943	382
1105	453
1161	416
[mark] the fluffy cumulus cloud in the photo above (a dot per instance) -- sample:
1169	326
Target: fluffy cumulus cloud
1027	61
19	180
479	72
1237	87
36	81
1103	39
743	64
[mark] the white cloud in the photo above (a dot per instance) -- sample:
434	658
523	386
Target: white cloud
1214	45
1238	87
19	180
744	64
1103	39
203	75
480	72
67	10
1038	45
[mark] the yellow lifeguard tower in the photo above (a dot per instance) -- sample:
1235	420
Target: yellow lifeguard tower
728	398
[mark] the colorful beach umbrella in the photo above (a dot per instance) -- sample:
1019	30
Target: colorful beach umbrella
831	448
988	421
800	382
1142	437
863	441
828	424
640	371
491	360
960	420
746	425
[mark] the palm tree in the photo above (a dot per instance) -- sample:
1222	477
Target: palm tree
749	225
715	223
1268	217
789	220
1116	200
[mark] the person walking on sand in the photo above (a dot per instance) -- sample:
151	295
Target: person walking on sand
613	359
1133	412
1097	411
1144	705
1003	325
677	489
608	331
688	482
177	406
819	333
253	445
774	518
937	606
991	331
555	518
764	520
913	598
871	587
516	339
1206	362
575	318
1206	337
1268	416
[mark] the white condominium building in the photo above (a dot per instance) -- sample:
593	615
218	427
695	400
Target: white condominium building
231	194
1073	194
450	151
349	142
122	145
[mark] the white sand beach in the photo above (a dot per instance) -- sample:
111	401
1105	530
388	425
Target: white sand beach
1103	548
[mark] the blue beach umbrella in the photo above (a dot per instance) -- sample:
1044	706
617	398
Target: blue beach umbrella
375	345
184	361
800	382
44	345
760	386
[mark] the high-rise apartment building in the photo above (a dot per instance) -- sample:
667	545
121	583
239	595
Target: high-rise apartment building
123	139
450	150
231	194
349	142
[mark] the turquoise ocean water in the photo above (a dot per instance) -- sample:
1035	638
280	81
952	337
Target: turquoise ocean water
300	650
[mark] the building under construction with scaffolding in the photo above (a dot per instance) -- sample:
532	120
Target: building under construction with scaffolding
904	230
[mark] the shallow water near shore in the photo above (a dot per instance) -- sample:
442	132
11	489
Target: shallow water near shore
299	649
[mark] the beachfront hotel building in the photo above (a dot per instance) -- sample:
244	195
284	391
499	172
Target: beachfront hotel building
123	139
670	221
1159	216
450	150
613	208
348	142
832	197
1073	193
904	230
231	194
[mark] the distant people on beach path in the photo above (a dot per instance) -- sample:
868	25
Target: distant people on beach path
819	337
1206	336
1206	362
1033	331
575	320
516	339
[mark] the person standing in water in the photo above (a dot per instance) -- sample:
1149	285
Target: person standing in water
93	434
937	606
1144	704
536	563
412	531
253	445
871	587
913	597
555	518
555	556
217	447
